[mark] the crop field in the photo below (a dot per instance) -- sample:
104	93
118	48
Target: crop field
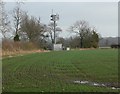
62	71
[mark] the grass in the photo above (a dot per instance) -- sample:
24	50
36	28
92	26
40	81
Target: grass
56	71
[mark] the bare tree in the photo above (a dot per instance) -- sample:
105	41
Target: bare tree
79	28
87	35
4	22
17	17
32	29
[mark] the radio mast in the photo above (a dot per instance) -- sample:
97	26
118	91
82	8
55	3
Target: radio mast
54	18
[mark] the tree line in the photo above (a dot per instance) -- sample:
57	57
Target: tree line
30	29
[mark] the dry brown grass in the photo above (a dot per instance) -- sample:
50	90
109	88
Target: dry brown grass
20	52
11	48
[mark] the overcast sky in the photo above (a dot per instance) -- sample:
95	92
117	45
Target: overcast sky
102	15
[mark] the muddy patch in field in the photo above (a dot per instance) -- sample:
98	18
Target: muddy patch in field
97	84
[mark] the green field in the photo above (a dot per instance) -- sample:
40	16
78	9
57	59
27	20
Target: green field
57	71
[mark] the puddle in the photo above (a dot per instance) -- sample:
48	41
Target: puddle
95	84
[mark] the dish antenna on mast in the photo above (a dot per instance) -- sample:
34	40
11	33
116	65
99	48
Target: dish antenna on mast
54	18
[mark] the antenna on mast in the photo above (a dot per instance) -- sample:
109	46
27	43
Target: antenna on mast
54	18
52	11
